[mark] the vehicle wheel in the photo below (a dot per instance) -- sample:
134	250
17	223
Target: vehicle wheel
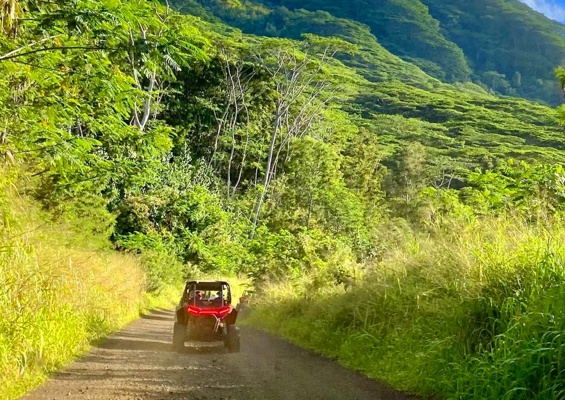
232	342
179	335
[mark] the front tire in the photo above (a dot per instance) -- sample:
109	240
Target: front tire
232	342
179	335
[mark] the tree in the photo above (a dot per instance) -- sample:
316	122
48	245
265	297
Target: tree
302	90
85	101
560	74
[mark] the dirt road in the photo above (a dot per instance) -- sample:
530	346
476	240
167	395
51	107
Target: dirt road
137	364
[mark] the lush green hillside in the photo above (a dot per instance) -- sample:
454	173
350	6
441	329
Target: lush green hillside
504	46
465	126
375	62
461	123
404	27
510	47
327	169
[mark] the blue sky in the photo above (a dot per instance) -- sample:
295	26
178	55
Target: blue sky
554	9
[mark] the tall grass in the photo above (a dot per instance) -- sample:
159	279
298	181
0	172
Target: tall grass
57	294
474	311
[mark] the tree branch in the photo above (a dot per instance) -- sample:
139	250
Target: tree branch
11	56
27	46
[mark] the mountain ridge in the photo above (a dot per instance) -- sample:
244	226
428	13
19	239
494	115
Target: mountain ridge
505	47
461	123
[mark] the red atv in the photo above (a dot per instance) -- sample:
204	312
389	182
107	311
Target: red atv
205	314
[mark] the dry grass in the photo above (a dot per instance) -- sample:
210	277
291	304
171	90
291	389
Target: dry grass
55	296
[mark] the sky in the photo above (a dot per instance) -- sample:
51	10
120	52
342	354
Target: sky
554	9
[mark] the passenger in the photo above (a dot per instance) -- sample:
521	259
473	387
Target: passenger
195	296
219	298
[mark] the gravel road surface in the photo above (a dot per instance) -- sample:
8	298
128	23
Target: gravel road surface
137	364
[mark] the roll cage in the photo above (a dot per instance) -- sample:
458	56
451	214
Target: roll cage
207	294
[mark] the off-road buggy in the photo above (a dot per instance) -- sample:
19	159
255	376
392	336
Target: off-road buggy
205	314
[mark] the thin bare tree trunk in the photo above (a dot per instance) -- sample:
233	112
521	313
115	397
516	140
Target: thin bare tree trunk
268	171
293	81
147	104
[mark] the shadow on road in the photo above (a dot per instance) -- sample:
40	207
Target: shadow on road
119	343
124	343
204	349
159	315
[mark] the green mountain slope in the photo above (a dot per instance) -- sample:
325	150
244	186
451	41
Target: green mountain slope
460	123
405	27
504	46
373	60
507	38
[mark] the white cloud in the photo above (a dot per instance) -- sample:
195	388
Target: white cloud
550	8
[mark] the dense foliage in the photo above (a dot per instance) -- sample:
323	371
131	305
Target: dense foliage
63	287
463	122
504	46
310	156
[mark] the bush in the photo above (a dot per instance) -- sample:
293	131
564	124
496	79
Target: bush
58	290
473	312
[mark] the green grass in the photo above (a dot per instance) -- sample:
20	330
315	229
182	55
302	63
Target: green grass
469	312
57	294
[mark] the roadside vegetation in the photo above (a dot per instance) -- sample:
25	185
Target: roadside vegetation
406	226
467	303
464	311
63	287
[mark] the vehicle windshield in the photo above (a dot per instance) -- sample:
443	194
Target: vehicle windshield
208	295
